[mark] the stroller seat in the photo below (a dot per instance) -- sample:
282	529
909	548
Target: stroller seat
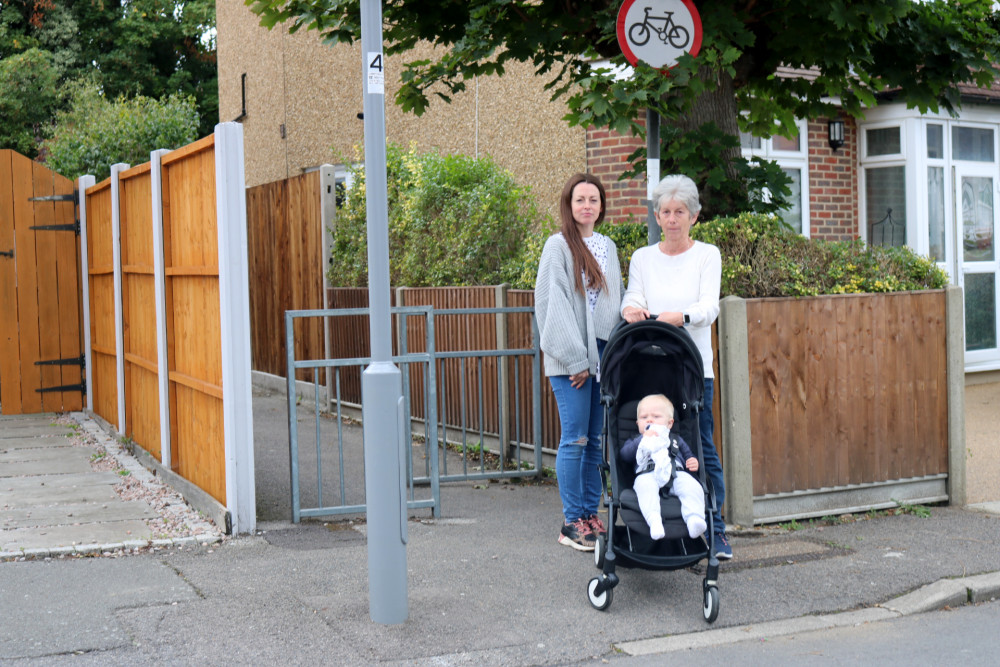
670	506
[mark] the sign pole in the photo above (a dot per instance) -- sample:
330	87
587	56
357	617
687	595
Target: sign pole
657	33
381	383
652	171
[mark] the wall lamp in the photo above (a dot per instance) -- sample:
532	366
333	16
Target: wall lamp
835	134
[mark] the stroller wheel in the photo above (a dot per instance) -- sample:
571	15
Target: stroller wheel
602	601
602	543
711	603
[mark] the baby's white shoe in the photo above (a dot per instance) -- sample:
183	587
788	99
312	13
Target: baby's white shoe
696	526
657	532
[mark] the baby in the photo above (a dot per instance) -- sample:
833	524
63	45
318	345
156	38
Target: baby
656	454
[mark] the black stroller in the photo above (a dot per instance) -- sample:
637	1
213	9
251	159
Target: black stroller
650	357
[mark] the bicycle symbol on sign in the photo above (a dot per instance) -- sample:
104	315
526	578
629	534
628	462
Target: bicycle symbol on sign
638	33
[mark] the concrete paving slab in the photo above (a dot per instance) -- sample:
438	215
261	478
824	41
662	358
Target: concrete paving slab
27	442
78	461
72	513
91	478
52	495
47	537
60	610
29	430
59	450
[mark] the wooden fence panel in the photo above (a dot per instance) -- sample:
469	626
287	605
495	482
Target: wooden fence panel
142	414
847	390
285	247
40	292
69	288
519	336
350	337
194	340
463	384
10	341
100	258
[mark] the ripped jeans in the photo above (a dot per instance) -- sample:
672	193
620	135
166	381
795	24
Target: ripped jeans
578	459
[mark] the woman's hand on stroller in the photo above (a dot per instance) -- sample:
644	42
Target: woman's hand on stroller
633	314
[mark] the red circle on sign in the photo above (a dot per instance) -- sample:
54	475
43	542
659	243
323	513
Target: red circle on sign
623	41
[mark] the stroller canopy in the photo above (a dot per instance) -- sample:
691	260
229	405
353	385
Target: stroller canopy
652	357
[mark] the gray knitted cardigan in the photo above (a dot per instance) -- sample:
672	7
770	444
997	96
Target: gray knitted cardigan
569	331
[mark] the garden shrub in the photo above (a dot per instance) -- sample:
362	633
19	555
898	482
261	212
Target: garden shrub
96	132
453	220
761	257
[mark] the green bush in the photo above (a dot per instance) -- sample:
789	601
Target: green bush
96	133
28	98
761	258
453	220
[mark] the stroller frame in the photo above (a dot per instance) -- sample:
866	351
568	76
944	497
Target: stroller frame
665	361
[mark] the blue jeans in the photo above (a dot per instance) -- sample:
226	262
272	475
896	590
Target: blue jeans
578	459
713	467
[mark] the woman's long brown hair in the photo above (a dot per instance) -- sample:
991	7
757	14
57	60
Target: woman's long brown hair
583	260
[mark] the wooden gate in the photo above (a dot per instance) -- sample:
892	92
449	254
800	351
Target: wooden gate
41	357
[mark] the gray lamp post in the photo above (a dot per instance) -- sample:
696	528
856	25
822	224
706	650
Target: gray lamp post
381	382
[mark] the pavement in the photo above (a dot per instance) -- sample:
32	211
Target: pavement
487	582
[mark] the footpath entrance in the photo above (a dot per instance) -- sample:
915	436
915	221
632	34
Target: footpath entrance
41	349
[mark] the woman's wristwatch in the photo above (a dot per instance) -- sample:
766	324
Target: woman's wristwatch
687	318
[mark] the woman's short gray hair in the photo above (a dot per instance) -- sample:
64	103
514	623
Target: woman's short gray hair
679	187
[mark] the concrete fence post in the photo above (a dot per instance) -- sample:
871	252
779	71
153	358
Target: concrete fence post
116	170
84	183
955	332
734	392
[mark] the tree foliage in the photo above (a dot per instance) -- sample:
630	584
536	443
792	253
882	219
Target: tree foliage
149	48
453	220
95	133
856	50
28	98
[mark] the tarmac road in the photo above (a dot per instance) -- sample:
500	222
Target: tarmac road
488	585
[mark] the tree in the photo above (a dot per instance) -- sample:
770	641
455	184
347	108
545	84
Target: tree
95	133
28	98
857	49
152	48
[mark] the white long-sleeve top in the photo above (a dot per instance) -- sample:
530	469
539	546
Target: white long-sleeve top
687	283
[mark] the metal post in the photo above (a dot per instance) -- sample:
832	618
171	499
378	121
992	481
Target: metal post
652	170
381	385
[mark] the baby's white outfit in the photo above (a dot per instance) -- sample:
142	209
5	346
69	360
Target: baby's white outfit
655	446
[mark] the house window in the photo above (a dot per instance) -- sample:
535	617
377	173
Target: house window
885	193
971	143
935	213
883	141
793	159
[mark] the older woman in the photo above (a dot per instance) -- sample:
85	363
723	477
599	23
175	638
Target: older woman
577	296
677	281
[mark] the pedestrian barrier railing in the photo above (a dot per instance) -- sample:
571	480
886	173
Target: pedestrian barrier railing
449	439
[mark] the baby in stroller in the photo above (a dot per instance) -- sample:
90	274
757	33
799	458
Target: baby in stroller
660	459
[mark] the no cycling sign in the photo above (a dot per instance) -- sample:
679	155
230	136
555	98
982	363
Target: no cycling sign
658	32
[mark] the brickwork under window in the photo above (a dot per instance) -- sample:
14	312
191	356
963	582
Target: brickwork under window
833	180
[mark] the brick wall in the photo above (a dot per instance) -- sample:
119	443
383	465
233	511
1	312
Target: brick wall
833	179
607	158
833	183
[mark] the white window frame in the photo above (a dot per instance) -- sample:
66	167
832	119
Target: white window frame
789	160
913	156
